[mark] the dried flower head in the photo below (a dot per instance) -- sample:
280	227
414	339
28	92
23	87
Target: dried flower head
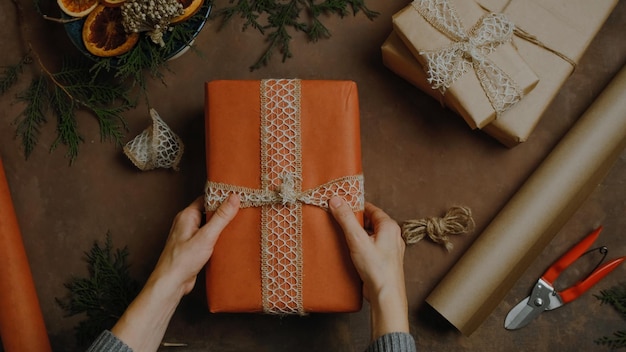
152	16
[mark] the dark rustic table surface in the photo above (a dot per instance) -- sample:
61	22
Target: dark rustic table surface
419	159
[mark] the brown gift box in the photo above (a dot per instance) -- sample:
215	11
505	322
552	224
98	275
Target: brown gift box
466	93
330	149
564	26
567	26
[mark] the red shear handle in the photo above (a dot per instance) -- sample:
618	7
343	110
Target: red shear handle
573	292
568	258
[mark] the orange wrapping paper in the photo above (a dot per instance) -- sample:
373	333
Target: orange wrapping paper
486	272
22	326
330	149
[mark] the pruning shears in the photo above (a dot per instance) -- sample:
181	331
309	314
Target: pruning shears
544	297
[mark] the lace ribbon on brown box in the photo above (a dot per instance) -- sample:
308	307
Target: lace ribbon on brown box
469	50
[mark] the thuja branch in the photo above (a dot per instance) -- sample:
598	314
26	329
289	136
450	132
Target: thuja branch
11	73
102	88
285	16
616	297
64	93
104	295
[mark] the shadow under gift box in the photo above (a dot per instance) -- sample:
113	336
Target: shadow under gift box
330	149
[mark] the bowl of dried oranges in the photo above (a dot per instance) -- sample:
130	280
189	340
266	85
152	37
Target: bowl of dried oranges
114	28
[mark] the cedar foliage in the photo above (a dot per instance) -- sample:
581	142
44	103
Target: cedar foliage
616	297
103	295
100	86
62	94
275	19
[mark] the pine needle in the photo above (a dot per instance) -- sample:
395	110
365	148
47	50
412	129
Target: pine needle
11	73
616	297
284	16
104	295
102	89
64	93
33	116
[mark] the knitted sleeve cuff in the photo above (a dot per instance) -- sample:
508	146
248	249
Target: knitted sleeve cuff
393	342
107	342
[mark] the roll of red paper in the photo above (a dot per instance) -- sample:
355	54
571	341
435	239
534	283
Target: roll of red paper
21	323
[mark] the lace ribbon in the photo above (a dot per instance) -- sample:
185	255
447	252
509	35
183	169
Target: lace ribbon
469	50
349	188
281	196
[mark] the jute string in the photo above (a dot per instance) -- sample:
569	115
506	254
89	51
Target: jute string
522	34
456	221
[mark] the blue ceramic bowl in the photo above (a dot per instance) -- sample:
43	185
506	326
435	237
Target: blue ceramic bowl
74	31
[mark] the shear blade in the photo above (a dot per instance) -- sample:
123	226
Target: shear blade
522	314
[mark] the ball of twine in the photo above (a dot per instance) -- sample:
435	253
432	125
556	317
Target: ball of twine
456	221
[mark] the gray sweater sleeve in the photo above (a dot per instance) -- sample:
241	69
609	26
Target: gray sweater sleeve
393	342
107	342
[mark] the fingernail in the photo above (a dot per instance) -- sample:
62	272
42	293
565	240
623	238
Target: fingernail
334	202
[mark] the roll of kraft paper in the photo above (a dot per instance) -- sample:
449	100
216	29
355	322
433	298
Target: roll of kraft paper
482	277
22	326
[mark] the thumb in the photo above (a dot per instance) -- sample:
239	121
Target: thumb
220	219
351	227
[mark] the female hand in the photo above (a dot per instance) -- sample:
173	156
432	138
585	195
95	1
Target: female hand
190	246
379	260
187	249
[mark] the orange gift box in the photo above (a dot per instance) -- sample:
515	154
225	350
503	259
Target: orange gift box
315	274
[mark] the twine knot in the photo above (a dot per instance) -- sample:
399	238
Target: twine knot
456	221
287	190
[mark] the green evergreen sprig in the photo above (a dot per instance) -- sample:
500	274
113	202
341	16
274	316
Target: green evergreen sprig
102	86
11	73
131	66
616	297
104	295
63	93
283	16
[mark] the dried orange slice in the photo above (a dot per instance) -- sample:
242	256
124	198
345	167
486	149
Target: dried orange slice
190	7
104	34
77	8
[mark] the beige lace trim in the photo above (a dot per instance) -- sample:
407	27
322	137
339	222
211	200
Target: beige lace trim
349	188
156	147
281	196
469	50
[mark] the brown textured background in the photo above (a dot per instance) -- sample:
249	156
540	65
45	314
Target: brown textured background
419	159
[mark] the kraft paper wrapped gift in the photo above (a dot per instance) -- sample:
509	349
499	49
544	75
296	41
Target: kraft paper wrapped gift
467	53
563	30
286	147
565	26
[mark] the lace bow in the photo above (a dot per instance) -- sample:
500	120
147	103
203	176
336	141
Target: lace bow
350	188
469	50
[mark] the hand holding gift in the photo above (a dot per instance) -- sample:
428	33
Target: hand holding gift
378	258
188	248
